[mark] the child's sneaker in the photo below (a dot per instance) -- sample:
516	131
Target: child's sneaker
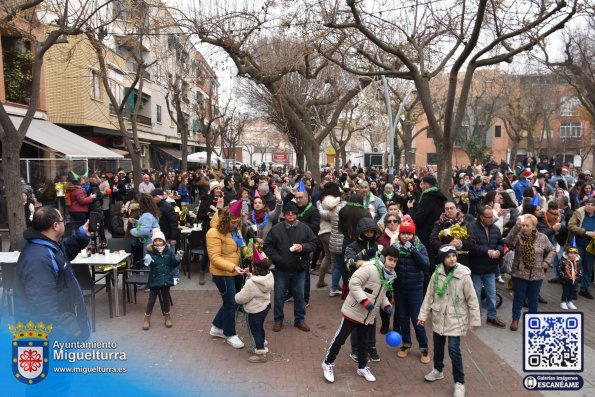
571	306
564	305
425	357
327	371
434	375
235	342
459	390
334	292
374	355
366	373
216	332
500	280
353	356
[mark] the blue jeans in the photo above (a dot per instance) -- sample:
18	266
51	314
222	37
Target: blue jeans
454	351
489	282
408	305
175	272
587	264
522	289
256	323
226	316
337	271
294	282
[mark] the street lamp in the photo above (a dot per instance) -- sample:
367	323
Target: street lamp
395	122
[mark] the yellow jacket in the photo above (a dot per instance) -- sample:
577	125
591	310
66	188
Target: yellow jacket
224	253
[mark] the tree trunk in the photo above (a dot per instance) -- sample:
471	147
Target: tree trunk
184	161
343	155
299	159
312	154
513	152
11	148
445	167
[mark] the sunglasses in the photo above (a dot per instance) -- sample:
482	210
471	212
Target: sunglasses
392	221
290	213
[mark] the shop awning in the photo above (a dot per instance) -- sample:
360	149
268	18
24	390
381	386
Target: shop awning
72	146
170	151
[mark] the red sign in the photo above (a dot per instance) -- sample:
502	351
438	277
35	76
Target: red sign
280	156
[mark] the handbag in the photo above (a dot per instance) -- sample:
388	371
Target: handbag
591	247
506	264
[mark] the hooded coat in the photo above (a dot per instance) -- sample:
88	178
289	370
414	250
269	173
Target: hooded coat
255	295
161	266
458	309
359	249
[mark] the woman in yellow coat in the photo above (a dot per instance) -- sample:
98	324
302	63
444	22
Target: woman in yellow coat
224	244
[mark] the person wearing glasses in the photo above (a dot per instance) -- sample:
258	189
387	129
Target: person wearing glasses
486	253
441	235
46	288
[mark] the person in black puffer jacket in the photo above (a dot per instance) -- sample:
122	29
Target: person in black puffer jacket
411	270
362	249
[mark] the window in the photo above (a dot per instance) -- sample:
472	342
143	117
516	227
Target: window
498	131
429	134
432	159
571	129
569	106
95	89
116	80
158	111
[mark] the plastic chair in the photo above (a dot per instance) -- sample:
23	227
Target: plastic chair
90	287
196	246
134	277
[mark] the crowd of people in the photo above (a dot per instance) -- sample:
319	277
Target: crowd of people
392	246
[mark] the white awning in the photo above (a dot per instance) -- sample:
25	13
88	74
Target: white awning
61	140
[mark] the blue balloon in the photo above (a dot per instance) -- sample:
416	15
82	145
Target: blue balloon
393	339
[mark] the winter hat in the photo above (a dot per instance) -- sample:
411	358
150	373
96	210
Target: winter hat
157	234
213	184
444	251
407	225
235	209
527	174
290	206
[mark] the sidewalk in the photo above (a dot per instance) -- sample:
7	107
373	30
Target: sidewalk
295	358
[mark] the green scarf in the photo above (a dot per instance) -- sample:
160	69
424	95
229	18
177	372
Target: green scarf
430	189
385	283
449	275
302	212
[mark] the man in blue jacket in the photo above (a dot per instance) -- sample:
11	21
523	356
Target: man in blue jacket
46	288
525	181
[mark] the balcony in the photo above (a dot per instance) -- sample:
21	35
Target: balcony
144	120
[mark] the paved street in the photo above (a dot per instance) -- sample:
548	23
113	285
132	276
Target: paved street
492	357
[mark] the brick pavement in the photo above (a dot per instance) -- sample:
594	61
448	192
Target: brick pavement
210	365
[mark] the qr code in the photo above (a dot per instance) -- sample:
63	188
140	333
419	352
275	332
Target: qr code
553	342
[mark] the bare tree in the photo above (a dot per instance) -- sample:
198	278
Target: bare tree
207	111
29	20
341	135
420	41
136	22
280	63
577	62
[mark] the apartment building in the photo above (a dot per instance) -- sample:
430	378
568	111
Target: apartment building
79	102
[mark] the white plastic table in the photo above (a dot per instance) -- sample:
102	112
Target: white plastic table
95	260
